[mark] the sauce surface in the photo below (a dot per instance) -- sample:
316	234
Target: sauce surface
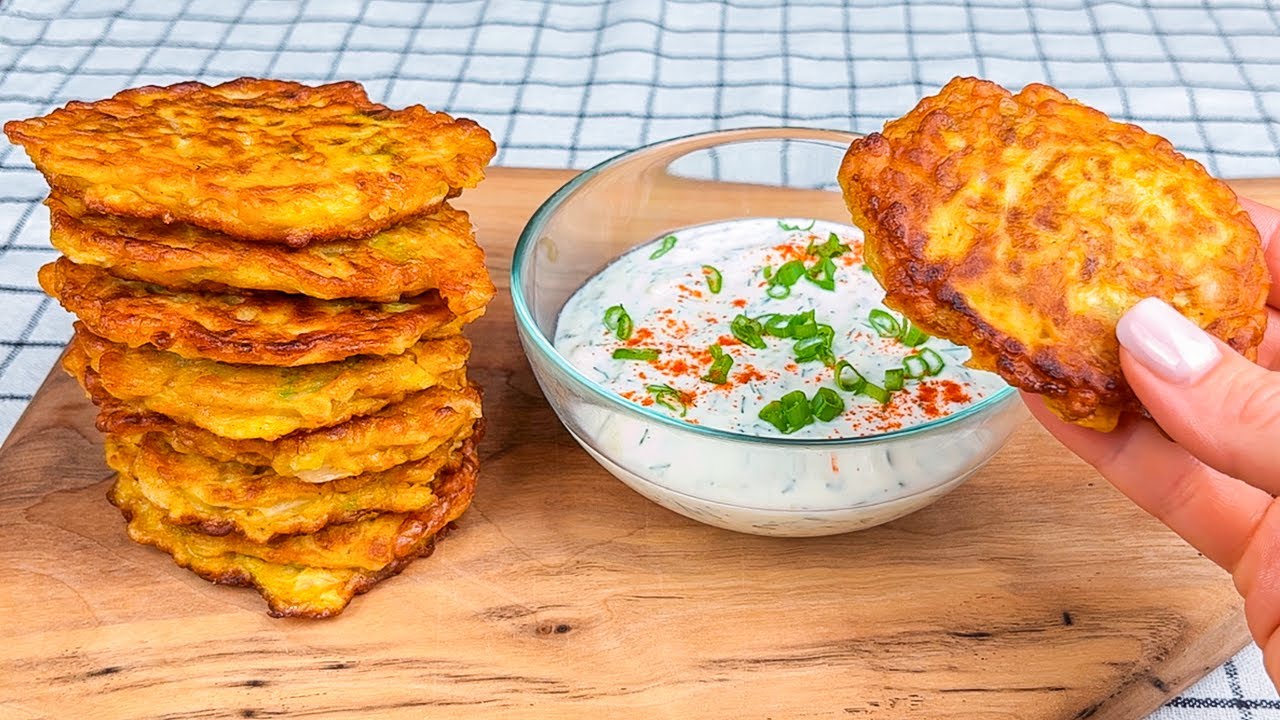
681	293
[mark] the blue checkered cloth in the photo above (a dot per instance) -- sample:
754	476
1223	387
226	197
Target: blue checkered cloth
568	84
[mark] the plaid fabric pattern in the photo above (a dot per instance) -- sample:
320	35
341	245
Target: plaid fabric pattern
570	83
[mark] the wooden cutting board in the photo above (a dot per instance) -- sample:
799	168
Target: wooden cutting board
1034	591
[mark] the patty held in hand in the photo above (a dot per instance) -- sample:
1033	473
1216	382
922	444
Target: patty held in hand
263	160
1024	226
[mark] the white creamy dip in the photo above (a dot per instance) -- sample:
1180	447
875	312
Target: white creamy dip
665	289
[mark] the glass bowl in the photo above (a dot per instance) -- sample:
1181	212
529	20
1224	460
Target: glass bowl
696	471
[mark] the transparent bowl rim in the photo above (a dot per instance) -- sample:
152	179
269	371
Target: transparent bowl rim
545	347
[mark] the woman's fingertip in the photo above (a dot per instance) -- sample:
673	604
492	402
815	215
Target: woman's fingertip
1265	218
1166	343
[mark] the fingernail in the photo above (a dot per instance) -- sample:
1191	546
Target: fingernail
1167	343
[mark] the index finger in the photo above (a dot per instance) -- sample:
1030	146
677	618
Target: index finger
1215	513
1267	220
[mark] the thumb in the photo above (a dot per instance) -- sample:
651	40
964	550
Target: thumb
1219	406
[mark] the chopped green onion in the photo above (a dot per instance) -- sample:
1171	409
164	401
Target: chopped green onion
772	413
668	242
635	354
767	270
834	247
823	274
776	325
668	397
790	272
826	332
875	392
804	330
721	363
804	319
826	404
933	362
718	374
617	320
748	331
911	336
811	348
796	410
914	367
847	378
780	282
884	324
813	339
866	268
714	279
831	248
893	379
792	228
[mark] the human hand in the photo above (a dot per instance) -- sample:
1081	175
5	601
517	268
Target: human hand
1211	479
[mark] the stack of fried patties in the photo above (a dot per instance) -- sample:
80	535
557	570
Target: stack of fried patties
270	288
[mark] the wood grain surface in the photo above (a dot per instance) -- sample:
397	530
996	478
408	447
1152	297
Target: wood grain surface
1034	591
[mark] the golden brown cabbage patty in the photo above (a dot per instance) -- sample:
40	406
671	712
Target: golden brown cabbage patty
218	498
254	328
258	401
304	575
262	160
399	433
429	252
1024	226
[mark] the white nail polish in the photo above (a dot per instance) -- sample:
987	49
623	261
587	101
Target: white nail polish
1167	343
